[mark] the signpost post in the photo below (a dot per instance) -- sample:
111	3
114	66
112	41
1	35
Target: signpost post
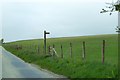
45	40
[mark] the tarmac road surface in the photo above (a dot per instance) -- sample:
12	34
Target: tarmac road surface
14	67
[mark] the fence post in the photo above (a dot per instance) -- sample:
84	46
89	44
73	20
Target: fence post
71	50
53	46
53	51
83	56
35	48
38	49
103	51
48	49
61	52
43	51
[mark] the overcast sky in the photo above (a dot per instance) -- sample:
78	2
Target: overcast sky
27	19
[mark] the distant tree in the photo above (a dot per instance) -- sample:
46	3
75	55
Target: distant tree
112	7
118	29
2	41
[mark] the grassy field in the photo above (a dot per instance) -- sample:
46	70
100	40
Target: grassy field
74	67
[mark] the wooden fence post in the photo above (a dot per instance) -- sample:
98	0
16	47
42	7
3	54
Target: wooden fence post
53	46
43	49
71	50
103	51
61	52
53	51
35	48
48	49
84	54
38	49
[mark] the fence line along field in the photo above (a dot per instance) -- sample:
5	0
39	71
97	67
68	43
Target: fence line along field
74	57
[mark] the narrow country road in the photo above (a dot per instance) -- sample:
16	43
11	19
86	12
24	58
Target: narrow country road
14	67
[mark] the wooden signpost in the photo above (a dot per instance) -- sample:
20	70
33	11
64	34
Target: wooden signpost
45	40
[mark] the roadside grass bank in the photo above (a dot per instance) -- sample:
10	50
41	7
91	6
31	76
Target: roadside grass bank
75	67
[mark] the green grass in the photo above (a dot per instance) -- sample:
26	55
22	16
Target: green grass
74	67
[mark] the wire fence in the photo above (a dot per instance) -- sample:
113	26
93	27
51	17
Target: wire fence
84	50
